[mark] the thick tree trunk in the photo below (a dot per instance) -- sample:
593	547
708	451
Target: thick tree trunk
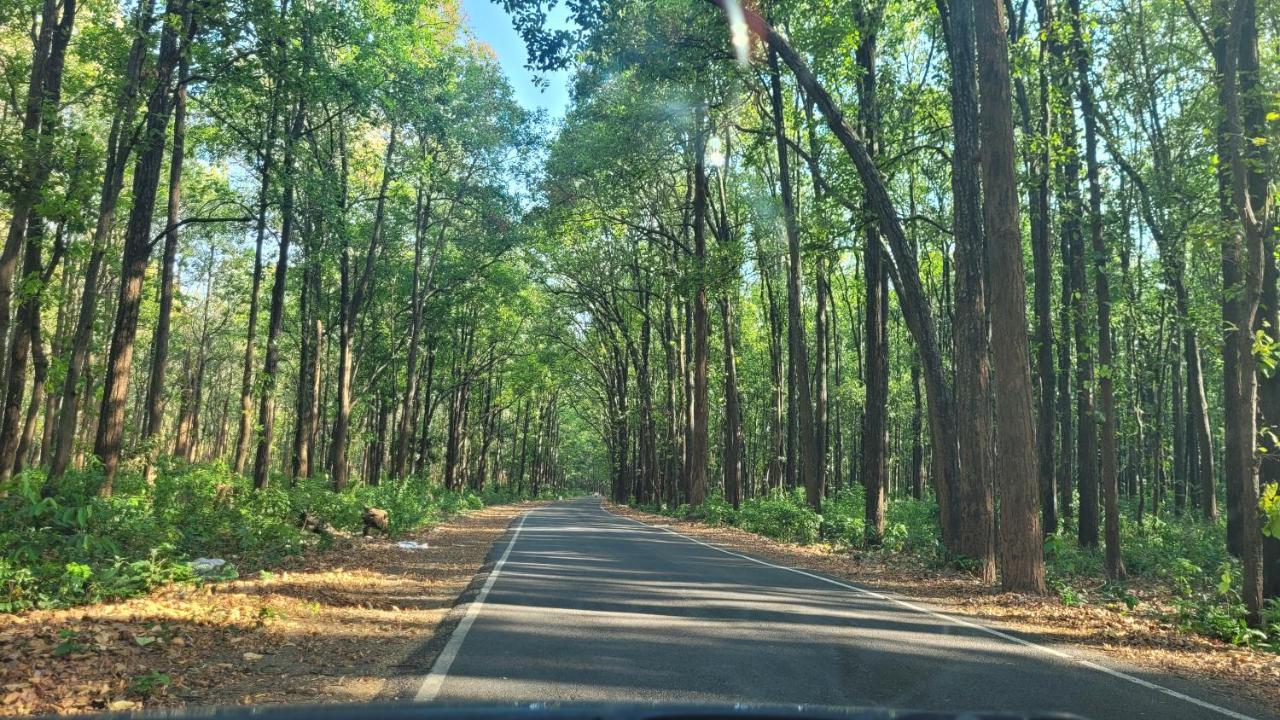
1021	543
1269	406
1232	281
973	504
874	458
47	86
1243	112
733	440
119	145
917	441
34	166
774	468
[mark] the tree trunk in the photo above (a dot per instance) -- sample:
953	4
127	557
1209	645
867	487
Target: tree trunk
1039	169
34	166
352	302
251	334
973	502
810	472
701	325
1243	110
47	86
1086	425
733	440
904	270
137	249
1021	546
1098	248
119	145
271	359
168	276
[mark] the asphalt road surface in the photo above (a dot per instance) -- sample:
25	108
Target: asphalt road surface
584	605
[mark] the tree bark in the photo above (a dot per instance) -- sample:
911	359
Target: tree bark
352	303
701	325
973	504
137	249
1106	369
275	320
810	473
119	146
168	275
47	86
1021	546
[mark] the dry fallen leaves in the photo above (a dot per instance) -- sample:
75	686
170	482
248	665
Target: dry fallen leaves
324	626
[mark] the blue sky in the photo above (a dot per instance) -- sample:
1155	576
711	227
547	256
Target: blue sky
491	25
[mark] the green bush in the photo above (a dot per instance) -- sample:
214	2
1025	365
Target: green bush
785	517
76	547
716	511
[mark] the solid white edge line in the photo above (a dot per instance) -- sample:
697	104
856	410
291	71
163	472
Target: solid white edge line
434	680
959	621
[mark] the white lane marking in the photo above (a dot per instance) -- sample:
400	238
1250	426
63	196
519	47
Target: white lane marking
434	680
959	621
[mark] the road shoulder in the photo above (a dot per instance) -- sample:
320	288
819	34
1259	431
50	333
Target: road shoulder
331	626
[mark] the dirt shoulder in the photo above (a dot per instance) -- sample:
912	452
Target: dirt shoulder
1139	639
326	626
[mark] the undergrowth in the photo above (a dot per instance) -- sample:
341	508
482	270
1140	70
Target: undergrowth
74	547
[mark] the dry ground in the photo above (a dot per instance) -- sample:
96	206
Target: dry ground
322	627
1139	638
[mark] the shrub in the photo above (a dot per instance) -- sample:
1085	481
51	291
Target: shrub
75	547
785	517
715	511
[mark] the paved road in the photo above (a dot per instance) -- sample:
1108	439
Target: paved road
588	606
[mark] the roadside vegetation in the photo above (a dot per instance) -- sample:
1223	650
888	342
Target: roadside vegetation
74	547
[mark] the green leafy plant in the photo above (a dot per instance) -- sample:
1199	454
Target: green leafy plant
149	684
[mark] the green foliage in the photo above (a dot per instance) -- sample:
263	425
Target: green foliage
1269	504
911	525
1185	556
148	684
75	547
785	517
842	523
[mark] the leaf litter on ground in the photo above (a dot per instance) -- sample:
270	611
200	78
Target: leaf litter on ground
324	626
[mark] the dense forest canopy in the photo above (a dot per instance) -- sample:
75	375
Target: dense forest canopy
1011	263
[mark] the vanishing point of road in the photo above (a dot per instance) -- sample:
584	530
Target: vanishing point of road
582	605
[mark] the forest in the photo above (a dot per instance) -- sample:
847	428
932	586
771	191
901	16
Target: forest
990	282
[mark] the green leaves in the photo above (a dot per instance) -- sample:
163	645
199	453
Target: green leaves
1269	505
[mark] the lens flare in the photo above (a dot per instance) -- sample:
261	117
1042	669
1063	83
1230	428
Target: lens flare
738	31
